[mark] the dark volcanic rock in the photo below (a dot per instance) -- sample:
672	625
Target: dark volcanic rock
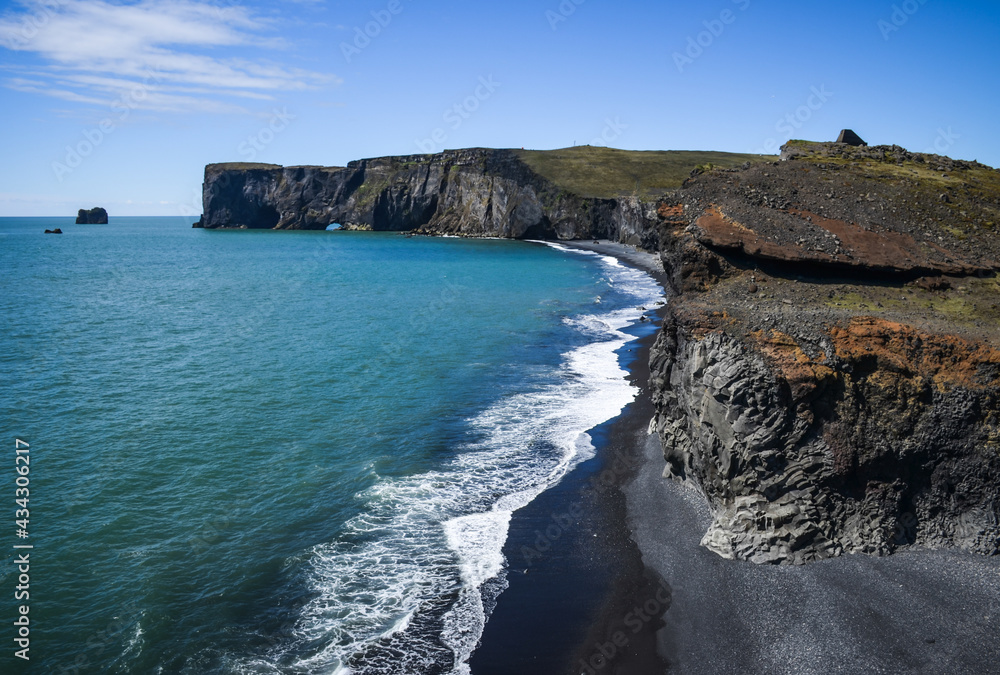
55	231
853	210
475	192
95	216
839	408
888	438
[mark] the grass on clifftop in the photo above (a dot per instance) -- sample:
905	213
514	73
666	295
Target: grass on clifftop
606	173
240	166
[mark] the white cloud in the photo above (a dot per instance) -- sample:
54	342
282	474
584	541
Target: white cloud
95	51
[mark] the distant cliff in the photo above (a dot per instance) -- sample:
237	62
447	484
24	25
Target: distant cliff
474	192
828	372
470	192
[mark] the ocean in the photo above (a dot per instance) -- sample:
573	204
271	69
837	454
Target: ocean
288	452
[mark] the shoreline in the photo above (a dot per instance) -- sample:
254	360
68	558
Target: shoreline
914	611
576	577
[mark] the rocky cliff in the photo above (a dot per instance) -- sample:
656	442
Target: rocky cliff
827	374
474	192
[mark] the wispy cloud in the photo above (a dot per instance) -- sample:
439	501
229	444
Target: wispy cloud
92	51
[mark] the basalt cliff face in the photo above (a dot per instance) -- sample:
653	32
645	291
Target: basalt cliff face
474	192
828	371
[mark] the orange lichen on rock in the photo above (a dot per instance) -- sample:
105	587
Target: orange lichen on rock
803	374
887	250
724	232
699	321
672	213
946	360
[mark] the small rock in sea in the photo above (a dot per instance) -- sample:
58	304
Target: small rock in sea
55	231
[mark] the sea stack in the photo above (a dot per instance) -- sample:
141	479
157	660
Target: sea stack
95	216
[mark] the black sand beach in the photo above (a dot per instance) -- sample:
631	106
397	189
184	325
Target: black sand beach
623	586
580	599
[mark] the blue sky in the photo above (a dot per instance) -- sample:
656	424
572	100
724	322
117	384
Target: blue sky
121	104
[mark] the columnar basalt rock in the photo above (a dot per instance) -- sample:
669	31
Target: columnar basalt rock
475	192
817	378
871	444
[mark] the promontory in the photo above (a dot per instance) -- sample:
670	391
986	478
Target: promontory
827	374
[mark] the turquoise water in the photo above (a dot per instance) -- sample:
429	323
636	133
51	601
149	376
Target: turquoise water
287	452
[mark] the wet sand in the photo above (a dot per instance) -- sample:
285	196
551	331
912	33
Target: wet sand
575	575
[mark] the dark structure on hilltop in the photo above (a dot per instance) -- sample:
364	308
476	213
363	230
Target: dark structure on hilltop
95	216
851	138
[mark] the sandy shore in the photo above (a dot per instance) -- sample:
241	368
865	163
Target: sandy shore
628	590
575	574
918	611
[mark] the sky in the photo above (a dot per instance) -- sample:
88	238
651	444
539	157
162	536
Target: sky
122	104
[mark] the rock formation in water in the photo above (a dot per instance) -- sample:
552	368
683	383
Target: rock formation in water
94	216
828	372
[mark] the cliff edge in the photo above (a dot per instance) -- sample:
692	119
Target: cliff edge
828	373
576	193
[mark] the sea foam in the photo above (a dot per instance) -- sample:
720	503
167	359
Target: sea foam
408	586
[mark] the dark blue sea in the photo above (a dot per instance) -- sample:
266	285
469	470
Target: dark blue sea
287	452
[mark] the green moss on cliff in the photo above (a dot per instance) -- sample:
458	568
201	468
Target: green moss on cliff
370	190
606	173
